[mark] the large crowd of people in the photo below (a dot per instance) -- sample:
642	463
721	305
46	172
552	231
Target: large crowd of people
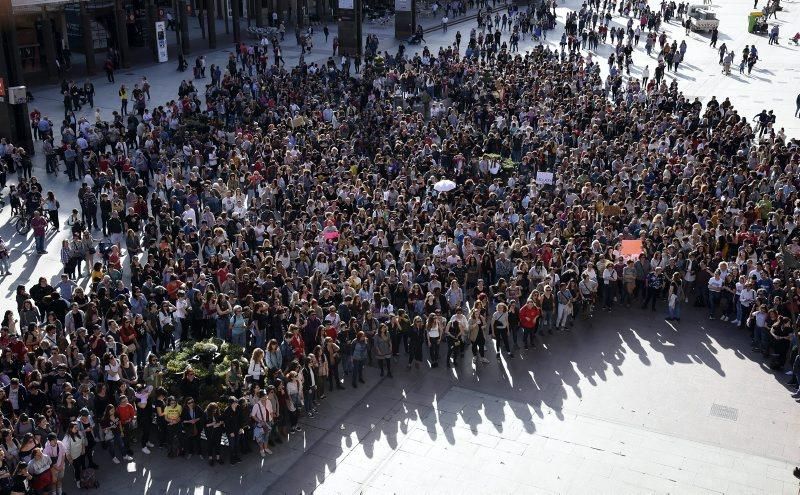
300	213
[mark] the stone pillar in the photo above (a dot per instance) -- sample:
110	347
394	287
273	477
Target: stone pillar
258	12
224	6
183	20
14	123
152	18
211	10
88	44
49	42
405	18
122	34
235	14
350	30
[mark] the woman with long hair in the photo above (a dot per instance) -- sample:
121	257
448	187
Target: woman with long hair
214	426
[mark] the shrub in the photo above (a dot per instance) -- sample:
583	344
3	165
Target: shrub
210	360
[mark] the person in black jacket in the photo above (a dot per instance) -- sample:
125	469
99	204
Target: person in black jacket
214	426
233	428
193	421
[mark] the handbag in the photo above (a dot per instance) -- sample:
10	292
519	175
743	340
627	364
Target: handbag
42	480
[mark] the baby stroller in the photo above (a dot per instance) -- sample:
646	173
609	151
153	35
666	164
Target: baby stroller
104	248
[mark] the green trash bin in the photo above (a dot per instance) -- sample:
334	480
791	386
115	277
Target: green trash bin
752	18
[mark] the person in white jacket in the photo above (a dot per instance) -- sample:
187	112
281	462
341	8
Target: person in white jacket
74	443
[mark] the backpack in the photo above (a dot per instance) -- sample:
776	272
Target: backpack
89	479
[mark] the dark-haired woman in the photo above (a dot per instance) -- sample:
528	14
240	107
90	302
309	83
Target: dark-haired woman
215	427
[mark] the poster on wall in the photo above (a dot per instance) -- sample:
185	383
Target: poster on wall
402	5
346	4
161	41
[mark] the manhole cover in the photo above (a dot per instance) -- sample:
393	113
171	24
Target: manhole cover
724	412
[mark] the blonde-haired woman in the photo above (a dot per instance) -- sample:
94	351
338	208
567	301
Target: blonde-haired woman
258	368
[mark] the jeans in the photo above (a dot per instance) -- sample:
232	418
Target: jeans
39	243
222	328
651	297
116	447
761	338
358	371
388	362
608	296
563	315
78	466
233	446
347	364
4	265
239	339
501	336
479	346
675	311
527	336
547	319
714	298
742	312
433	343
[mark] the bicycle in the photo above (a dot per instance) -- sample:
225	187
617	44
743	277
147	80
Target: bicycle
21	221
23	224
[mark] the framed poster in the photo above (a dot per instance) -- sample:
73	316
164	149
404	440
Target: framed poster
346	4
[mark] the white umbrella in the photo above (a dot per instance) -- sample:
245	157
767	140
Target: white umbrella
444	185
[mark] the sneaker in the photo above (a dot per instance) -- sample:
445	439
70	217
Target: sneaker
115	460
129	458
735	322
267	451
711	318
723	318
262	453
150	444
145	450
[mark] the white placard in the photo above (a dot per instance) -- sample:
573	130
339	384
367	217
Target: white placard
402	5
544	178
161	41
346	4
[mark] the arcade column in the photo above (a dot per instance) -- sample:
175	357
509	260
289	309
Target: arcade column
350	27
121	17
183	23
405	18
14	124
235	15
211	20
49	42
88	44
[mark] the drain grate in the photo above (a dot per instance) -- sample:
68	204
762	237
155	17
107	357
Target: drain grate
724	412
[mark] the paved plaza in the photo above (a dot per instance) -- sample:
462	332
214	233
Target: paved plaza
626	403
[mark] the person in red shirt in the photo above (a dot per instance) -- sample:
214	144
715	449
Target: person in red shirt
18	347
528	317
298	345
127	415
127	333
